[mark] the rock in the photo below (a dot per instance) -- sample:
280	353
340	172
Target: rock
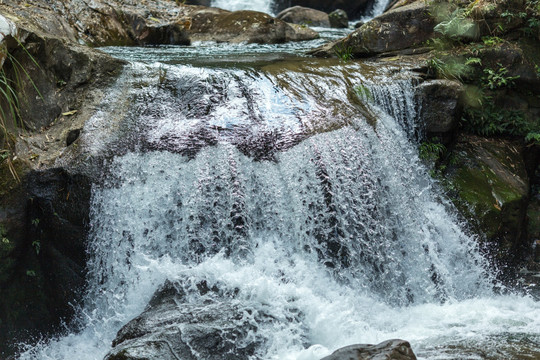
358	24
304	16
338	19
43	218
398	29
210	24
172	327
387	350
42	252
492	188
355	8
440	107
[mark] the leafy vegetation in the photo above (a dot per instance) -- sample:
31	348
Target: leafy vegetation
343	52
431	150
10	116
460	54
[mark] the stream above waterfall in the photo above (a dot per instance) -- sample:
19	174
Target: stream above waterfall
294	186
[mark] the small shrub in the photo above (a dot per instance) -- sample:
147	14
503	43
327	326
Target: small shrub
431	151
494	79
343	52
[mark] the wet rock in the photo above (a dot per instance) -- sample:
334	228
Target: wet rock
42	251
209	24
338	19
491	185
358	24
173	327
440	107
398	29
387	350
304	16
355	8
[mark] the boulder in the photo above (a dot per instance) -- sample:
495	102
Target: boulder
210	24
440	107
491	186
304	16
173	327
405	27
387	350
43	205
339	19
355	8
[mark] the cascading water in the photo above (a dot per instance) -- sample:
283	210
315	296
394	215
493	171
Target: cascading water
235	5
305	199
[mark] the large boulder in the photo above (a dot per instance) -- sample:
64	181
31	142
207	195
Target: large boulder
491	187
339	19
304	16
440	107
387	350
43	206
355	8
398	29
210	24
172	327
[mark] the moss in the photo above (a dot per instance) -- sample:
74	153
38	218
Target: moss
485	195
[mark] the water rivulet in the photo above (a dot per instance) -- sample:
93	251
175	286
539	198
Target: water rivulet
294	189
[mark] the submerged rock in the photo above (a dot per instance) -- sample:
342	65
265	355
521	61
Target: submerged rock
304	16
387	350
216	326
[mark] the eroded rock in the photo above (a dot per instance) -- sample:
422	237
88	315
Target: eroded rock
339	19
304	16
398	29
387	350
209	24
216	326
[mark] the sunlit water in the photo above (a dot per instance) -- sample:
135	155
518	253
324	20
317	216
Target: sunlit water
234	5
279	179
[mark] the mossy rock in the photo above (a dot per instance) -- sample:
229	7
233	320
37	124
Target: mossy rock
492	188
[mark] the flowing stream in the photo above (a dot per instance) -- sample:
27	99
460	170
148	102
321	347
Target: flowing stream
295	184
266	6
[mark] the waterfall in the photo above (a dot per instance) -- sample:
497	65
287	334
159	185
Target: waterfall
284	186
234	5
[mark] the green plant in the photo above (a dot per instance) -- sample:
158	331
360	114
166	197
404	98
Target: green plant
431	150
458	25
343	52
11	103
37	246
492	40
533	137
3	234
494	79
449	67
364	92
489	120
